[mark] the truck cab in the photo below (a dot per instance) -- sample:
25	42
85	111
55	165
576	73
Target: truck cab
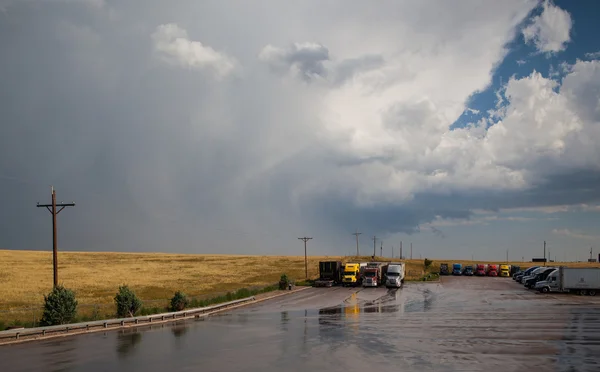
531	274
371	277
480	270
351	275
444	269
492	270
456	269
550	284
540	276
505	270
468	271
519	277
395	275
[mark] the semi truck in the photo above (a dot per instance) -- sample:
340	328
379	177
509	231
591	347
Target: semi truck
541	275
468	270
374	274
505	270
444	270
492	270
330	274
351	276
575	280
456	269
395	275
480	270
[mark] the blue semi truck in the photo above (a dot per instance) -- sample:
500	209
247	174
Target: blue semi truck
456	269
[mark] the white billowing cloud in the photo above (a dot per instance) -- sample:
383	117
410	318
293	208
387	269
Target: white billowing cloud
575	234
551	30
174	45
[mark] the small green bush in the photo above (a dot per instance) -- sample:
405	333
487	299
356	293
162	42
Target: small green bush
179	301
60	307
127	302
427	263
283	281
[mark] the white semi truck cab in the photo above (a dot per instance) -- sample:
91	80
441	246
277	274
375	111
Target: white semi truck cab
395	275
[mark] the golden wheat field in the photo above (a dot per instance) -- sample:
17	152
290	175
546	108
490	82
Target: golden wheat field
95	276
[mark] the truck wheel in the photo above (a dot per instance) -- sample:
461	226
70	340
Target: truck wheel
591	292
545	290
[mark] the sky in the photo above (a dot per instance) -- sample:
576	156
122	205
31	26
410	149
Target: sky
467	129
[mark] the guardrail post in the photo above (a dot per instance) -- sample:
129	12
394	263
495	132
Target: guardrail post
150	319
87	327
105	325
17	336
122	323
137	320
162	317
67	329
44	332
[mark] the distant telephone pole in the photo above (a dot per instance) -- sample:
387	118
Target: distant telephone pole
544	253
591	256
392	251
305	239
400	249
507	256
381	249
374	243
54	212
411	251
357	234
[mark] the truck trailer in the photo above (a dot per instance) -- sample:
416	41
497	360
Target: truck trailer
574	280
395	275
330	274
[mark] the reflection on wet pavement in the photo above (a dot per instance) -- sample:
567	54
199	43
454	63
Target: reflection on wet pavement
462	324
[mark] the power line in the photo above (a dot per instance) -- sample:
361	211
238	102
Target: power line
54	212
305	239
357	234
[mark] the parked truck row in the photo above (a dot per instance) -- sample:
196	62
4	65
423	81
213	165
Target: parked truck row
479	270
365	274
545	279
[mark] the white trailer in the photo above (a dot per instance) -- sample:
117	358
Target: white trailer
395	275
576	279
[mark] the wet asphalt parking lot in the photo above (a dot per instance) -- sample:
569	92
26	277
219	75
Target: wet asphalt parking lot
458	324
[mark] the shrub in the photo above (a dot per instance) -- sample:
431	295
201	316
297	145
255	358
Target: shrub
427	263
60	307
283	281
179	301
127	302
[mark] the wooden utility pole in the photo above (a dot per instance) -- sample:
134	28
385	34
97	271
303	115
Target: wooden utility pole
357	234
54	212
400	249
411	251
374	243
544	253
507	256
381	250
305	239
392	251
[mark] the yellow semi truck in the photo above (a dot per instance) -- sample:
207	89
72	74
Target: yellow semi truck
504	270
351	275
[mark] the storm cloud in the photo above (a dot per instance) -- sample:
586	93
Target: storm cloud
189	127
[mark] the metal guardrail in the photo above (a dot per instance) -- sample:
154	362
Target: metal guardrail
16	333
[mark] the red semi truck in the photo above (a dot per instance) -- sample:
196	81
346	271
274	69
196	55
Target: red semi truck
480	270
492	270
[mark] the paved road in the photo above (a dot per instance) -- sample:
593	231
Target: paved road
460	324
